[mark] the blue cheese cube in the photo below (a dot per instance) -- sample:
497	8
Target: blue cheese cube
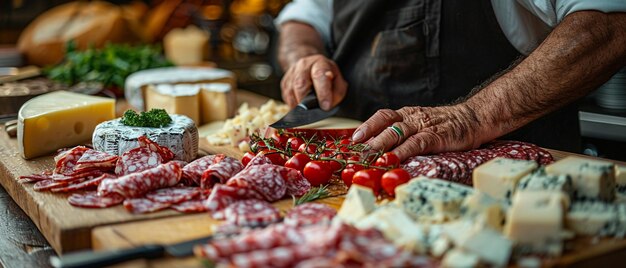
499	177
596	218
541	181
592	179
484	210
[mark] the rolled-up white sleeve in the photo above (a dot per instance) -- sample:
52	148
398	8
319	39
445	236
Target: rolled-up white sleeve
317	13
554	11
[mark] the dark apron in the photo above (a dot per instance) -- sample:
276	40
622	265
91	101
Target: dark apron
426	53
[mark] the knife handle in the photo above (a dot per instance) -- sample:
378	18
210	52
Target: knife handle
309	101
106	258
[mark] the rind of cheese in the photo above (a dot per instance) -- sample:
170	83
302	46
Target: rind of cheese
59	119
136	83
431	200
499	177
535	221
359	202
180	136
217	102
620	178
592	179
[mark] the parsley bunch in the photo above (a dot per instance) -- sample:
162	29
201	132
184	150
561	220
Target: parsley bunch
152	118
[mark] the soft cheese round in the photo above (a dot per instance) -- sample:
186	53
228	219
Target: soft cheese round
181	136
170	75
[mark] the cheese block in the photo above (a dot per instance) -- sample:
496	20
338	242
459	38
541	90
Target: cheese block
597	218
541	181
359	202
592	179
484	210
175	99
180	136
59	119
499	177
620	178
488	245
217	102
187	46
136	83
397	227
457	258
535	221
431	200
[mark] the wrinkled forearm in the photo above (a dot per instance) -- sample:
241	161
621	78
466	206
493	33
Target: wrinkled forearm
297	40
580	54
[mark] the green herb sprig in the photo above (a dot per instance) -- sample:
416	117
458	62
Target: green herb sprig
152	118
313	194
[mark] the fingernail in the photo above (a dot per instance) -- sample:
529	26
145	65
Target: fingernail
357	136
326	105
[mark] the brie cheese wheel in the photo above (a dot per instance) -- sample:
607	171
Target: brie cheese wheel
180	136
136	83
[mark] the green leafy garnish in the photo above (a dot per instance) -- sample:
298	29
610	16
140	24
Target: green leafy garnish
152	118
109	65
313	194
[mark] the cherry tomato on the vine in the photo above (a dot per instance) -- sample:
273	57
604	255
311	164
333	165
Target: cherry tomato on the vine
247	157
298	161
317	172
276	157
258	146
345	142
388	159
295	142
368	178
280	140
310	148
348	173
392	178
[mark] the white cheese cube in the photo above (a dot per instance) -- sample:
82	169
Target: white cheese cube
592	179
396	226
489	245
458	258
596	218
359	202
484	210
535	221
541	181
499	177
431	200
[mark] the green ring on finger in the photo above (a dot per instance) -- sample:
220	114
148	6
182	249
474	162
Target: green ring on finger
398	131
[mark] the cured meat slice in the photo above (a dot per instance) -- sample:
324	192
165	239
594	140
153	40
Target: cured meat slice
138	184
77	176
93	159
35	177
220	171
193	171
174	195
165	153
251	213
191	206
221	197
92	182
93	200
297	184
67	161
143	205
309	214
286	256
265	179
137	160
45	185
259	159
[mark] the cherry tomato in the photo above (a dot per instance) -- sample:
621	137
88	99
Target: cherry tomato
276	157
354	158
280	140
348	173
246	158
368	178
388	159
392	178
295	142
298	161
258	146
330	144
310	149
345	142
317	172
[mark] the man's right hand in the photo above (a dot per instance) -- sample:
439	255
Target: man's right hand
317	72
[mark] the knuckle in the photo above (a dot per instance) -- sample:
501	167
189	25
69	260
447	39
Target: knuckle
387	114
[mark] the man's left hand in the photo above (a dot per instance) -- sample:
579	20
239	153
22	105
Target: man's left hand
421	130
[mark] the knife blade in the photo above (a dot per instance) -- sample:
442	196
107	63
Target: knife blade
107	258
308	111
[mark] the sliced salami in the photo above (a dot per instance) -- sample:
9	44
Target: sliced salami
137	160
138	184
259	159
251	213
77	176
220	171
191	206
297	184
309	214
91	182
67	162
194	170
165	153
34	178
93	159
143	205
221	197
174	195
45	185
93	200
265	179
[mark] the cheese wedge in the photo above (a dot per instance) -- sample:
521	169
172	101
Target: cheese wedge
499	176
592	179
59	119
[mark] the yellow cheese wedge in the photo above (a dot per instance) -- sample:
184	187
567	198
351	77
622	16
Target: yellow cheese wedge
59	119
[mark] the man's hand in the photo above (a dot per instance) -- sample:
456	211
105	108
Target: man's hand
425	130
318	72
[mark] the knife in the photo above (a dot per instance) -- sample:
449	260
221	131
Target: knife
308	111
107	258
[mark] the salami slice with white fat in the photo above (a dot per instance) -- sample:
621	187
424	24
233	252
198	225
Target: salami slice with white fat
220	171
76	176
91	182
265	179
259	159
191	206
193	171
67	162
309	214
174	195
46	175
45	185
93	159
165	153
251	213
137	160
93	200
221	197
143	205
297	184
138	184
